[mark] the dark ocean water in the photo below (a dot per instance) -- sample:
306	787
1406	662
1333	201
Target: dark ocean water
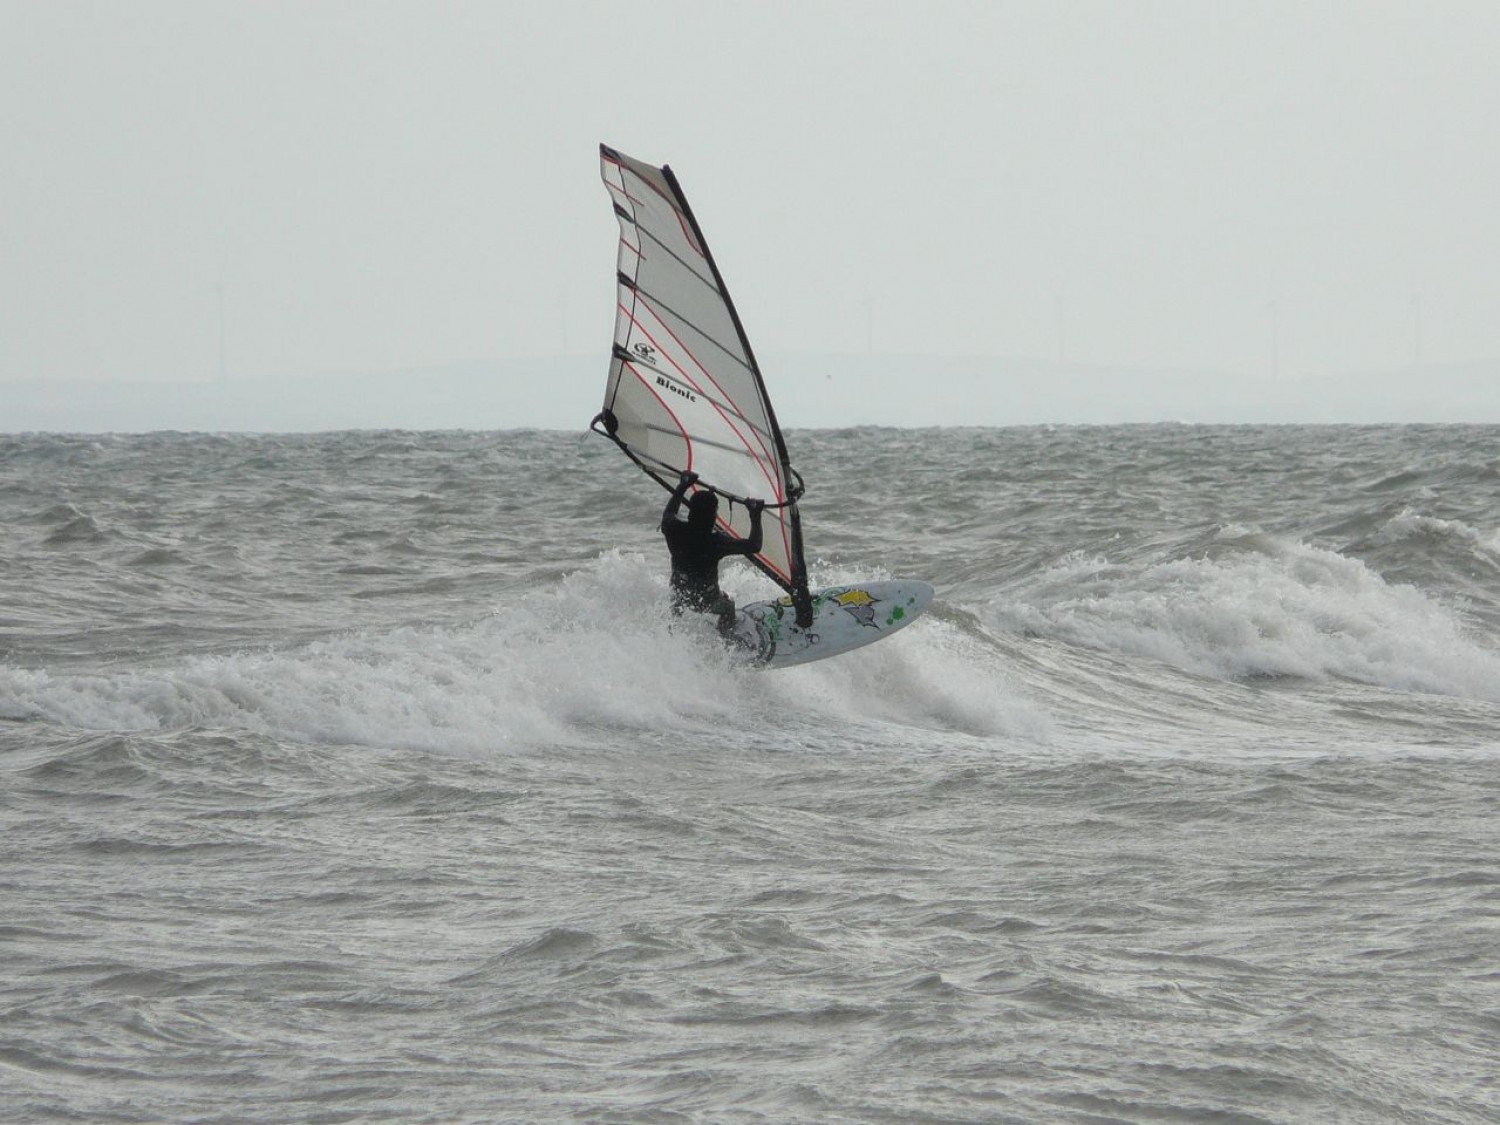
357	777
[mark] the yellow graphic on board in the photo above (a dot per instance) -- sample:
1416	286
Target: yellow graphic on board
859	605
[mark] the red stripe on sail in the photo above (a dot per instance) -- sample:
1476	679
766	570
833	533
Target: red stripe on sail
686	440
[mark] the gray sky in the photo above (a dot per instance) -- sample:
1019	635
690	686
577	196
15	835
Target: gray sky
1304	186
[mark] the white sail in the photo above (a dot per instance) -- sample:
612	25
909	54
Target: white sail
684	392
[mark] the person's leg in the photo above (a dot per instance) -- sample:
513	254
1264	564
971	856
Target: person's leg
724	607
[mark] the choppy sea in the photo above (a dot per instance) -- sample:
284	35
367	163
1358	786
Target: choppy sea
358	777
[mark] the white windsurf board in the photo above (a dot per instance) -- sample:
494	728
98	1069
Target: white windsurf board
844	618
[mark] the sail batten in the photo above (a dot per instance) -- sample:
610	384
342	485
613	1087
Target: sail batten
685	392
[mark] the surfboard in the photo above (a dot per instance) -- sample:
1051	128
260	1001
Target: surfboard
685	394
844	618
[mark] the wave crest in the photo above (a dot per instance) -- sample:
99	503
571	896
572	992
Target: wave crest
1265	607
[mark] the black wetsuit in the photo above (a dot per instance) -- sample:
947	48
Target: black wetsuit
696	555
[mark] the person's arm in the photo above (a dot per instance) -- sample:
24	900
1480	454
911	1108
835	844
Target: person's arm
751	545
669	513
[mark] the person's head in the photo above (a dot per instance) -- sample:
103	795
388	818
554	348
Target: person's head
703	509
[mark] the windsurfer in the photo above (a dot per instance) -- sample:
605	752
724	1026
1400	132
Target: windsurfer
698	546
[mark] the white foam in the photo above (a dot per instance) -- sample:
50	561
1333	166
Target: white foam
573	664
1274	608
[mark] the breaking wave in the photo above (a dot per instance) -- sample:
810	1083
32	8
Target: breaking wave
1262	607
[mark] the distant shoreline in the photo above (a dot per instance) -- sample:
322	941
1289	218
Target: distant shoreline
810	392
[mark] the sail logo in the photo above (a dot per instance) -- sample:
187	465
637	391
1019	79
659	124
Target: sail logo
676	388
645	352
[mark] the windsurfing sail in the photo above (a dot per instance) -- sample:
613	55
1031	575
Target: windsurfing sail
685	393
